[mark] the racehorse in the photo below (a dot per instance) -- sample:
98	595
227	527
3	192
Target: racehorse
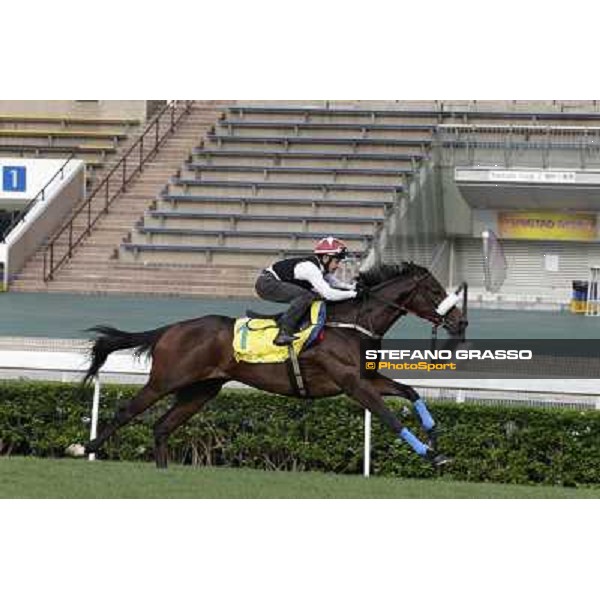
193	359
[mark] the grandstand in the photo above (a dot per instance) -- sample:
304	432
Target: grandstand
97	133
235	185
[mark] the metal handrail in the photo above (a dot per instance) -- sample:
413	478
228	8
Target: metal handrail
15	220
136	155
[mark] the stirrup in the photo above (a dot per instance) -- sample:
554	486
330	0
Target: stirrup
284	339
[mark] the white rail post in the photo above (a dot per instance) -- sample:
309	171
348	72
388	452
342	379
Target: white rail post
95	409
367	451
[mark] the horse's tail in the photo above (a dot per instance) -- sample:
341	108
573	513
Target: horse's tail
110	339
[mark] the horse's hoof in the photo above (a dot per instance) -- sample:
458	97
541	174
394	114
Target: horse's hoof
90	448
440	460
75	450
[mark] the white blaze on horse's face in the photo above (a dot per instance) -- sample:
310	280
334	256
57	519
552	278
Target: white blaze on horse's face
447	304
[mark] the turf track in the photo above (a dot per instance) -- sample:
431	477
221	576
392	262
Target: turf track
45	478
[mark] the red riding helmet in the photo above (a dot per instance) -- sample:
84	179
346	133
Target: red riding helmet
332	247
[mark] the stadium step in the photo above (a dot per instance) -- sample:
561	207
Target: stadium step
101	278
120	288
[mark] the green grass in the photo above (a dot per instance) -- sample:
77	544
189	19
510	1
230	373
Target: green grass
47	478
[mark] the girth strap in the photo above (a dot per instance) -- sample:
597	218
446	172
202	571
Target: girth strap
296	374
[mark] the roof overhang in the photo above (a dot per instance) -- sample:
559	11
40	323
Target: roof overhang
551	189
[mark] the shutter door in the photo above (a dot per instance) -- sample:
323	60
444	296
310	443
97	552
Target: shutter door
526	263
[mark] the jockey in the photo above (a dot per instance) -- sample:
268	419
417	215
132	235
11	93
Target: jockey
299	281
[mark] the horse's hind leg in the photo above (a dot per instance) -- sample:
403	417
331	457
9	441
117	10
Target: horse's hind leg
145	398
188	401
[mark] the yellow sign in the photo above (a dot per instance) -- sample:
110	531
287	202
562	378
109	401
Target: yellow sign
547	226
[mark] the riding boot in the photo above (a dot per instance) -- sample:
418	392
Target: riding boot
289	321
287	325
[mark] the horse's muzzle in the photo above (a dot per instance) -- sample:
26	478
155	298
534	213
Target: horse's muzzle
459	329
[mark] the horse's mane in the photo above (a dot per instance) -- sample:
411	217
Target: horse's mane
384	272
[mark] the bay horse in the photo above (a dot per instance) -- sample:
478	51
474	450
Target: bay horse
193	359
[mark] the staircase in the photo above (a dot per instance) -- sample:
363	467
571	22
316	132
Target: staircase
94	267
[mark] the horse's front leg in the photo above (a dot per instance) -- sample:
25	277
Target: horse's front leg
389	387
365	392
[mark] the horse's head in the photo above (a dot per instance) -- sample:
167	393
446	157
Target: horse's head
430	301
414	289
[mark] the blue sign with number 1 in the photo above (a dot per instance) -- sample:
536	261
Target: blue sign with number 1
14	179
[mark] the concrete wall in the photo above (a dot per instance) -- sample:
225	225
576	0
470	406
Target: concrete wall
457	213
41	221
414	230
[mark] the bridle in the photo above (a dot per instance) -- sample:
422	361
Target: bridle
438	318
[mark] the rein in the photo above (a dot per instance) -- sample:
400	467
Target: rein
438	318
400	308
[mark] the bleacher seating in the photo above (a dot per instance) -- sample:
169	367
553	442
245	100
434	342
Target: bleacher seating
261	189
95	140
266	188
268	222
325	129
443	113
281	172
276	205
267	181
216	156
414	143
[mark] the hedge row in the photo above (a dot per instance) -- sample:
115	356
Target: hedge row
253	429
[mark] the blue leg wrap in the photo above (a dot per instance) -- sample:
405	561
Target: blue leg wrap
424	415
417	445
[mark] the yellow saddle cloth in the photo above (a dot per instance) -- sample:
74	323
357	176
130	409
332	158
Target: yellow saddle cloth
253	338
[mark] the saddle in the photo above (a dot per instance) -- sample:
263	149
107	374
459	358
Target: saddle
252	314
305	321
254	335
